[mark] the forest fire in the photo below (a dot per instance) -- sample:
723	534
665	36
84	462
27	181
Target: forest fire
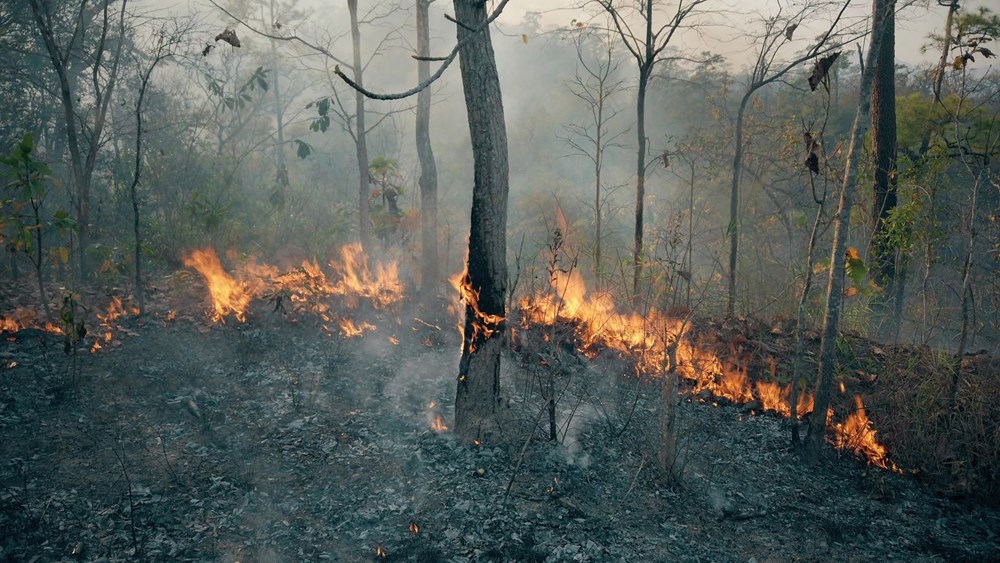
22	319
301	289
596	322
857	435
484	325
228	295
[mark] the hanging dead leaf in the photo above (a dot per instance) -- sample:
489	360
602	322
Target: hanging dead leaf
812	163
790	30
666	159
821	69
987	53
229	36
850	292
524	38
207	50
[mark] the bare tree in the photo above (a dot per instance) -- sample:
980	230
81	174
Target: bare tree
841	225
163	48
647	48
595	84
779	31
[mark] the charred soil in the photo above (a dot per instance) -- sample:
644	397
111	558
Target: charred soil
272	441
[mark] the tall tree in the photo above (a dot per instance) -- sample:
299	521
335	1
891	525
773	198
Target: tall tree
647	49
83	129
595	84
361	138
841	226
883	135
429	270
483	286
486	273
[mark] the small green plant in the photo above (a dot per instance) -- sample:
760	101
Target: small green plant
23	222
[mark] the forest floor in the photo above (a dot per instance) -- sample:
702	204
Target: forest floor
271	441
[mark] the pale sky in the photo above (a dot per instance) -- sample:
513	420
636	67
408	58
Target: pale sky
912	26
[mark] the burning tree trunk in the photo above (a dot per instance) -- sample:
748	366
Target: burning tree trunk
429	272
841	222
485	280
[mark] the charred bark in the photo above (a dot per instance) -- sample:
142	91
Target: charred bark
883	123
485	281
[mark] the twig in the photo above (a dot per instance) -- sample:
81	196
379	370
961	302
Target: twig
634	479
524	449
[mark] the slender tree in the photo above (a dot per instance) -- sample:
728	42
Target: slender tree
83	132
841	225
883	135
779	31
647	49
596	84
429	270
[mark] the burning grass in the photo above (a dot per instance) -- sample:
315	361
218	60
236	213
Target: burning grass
304	289
722	372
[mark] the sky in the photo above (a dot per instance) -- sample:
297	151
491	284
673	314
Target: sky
913	24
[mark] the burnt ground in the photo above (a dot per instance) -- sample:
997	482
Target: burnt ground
270	441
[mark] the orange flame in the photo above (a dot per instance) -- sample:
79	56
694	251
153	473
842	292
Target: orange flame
596	322
350	330
24	318
300	289
857	435
228	295
484	325
438	425
414	528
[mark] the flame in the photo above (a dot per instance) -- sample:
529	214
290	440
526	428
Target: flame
380	552
484	325
597	324
228	295
438	425
350	330
857	435
24	318
414	528
304	288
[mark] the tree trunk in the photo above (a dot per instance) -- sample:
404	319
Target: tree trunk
83	157
640	178
883	123
429	270
486	276
734	205
361	141
281	177
841	223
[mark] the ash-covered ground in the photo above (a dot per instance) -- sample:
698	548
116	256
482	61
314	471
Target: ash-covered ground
272	441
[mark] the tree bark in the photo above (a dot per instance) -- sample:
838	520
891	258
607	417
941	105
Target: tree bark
842	223
734	205
430	273
485	281
883	123
361	141
640	178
